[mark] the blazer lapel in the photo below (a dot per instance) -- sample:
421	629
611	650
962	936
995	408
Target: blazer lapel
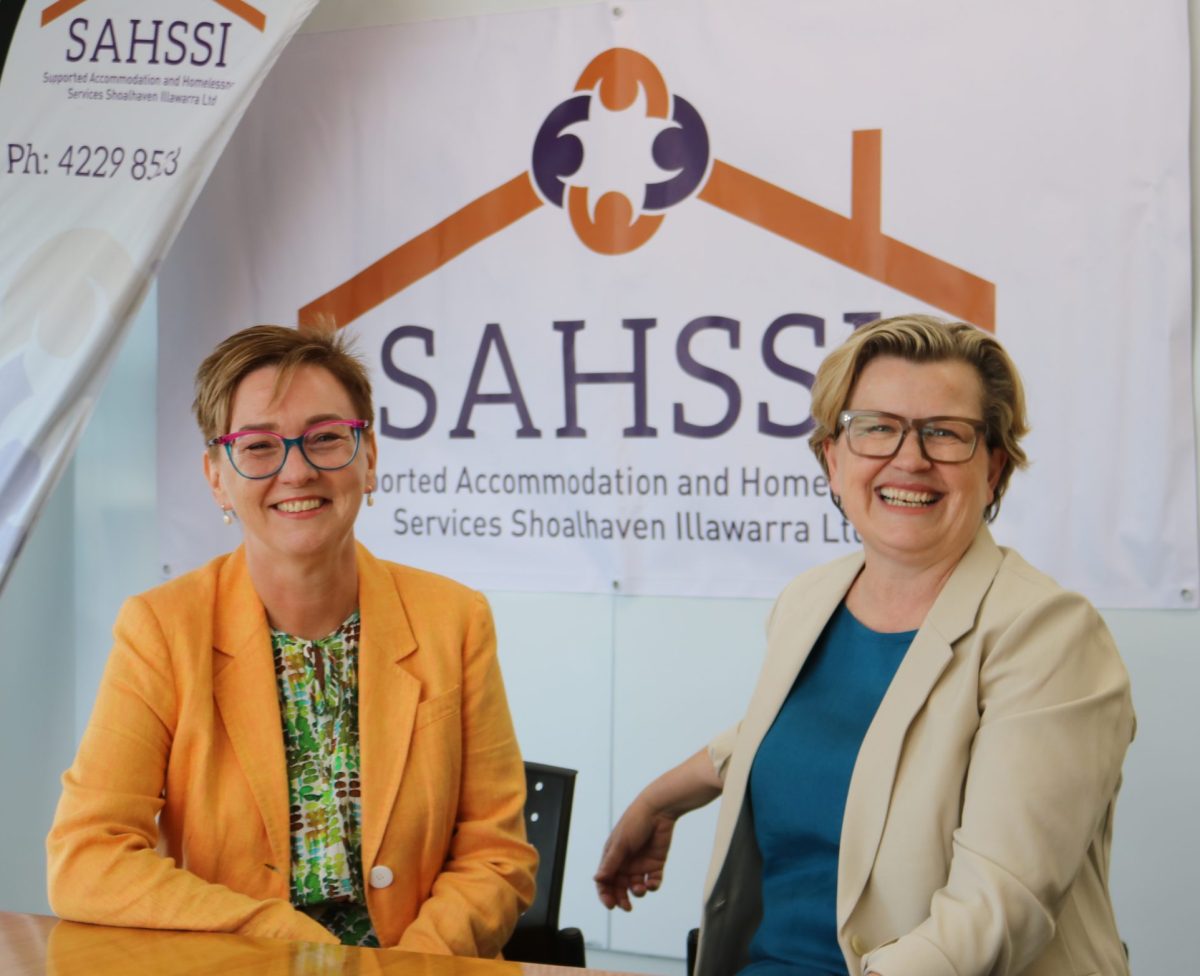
247	698
795	625
873	779
387	697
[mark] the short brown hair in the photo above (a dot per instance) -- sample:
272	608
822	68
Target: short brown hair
242	353
927	339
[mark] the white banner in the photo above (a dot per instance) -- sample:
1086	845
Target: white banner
594	256
112	113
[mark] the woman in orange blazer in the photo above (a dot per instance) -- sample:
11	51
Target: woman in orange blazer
298	740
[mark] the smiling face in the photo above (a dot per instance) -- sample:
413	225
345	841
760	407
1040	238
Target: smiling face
910	511
301	513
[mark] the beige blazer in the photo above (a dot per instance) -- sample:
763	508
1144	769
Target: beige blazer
174	814
979	816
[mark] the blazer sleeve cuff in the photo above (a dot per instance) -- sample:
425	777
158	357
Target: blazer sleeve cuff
911	955
720	749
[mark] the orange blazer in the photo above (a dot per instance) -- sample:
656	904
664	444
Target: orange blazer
175	812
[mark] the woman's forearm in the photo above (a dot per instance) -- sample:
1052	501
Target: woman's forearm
686	787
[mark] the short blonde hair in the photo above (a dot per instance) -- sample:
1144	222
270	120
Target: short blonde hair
242	353
927	339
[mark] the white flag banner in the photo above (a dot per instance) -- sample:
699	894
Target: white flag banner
112	114
594	256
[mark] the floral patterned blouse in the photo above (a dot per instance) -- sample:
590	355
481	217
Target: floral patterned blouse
318	699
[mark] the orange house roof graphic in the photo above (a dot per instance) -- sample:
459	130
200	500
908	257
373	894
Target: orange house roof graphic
856	241
251	15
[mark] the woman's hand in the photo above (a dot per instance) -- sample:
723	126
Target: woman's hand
634	855
636	851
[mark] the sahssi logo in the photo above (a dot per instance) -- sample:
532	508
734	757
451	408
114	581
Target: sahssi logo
617	214
621	92
151	40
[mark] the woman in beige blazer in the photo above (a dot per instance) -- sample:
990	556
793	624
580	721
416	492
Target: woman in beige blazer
978	799
298	740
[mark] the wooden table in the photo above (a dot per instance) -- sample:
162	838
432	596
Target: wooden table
33	945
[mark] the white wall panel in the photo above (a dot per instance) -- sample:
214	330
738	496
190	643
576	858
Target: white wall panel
1155	846
684	671
36	709
555	652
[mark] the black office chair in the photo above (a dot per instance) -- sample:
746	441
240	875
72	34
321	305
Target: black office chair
693	942
550	790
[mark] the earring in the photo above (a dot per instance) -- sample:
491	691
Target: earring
370	499
227	516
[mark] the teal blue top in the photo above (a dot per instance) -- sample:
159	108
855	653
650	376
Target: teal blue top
798	785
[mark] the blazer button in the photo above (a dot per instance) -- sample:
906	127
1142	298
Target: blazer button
381	876
857	946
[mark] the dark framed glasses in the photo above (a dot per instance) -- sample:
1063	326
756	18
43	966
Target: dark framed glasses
327	446
946	440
